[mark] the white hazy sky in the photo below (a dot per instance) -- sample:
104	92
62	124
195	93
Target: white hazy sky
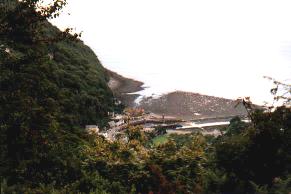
215	47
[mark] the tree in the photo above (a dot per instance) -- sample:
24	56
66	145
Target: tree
281	93
259	153
29	113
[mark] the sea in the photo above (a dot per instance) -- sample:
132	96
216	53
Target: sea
221	49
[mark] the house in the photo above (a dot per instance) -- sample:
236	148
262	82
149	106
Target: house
148	129
111	124
92	128
117	117
120	122
116	121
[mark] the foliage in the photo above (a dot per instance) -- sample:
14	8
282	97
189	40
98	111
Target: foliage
161	139
160	130
236	126
51	86
281	92
258	154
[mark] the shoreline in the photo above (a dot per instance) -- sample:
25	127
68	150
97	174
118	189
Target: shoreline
188	106
124	88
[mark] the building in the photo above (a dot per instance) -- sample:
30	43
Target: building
111	124
120	122
92	128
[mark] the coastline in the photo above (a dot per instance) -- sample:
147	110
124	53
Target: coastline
182	105
124	88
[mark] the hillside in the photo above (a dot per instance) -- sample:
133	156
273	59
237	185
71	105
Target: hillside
51	86
187	105
122	88
184	105
85	77
71	76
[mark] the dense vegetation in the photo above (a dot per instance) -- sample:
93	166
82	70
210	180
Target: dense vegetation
52	85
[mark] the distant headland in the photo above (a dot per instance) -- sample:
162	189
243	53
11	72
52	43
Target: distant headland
179	104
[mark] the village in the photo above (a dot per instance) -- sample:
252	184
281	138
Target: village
119	123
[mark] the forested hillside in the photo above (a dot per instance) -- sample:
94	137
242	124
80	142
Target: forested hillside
123	88
63	75
51	86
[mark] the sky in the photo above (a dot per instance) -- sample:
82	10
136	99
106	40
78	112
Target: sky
215	47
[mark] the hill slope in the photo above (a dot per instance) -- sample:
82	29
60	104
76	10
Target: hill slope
82	73
65	77
122	88
188	105
185	105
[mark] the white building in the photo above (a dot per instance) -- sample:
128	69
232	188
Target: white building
92	128
120	122
116	124
111	124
